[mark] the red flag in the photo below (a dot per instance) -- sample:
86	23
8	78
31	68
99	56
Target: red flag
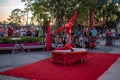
48	38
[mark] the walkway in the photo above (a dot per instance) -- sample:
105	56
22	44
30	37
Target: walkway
8	61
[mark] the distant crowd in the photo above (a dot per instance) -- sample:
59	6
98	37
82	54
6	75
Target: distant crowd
84	38
20	31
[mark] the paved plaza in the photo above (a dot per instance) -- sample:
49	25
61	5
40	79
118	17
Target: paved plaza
8	61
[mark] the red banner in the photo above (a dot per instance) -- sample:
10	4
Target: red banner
48	38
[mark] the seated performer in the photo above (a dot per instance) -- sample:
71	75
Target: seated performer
67	27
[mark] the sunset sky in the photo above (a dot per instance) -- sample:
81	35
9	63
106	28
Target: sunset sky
6	6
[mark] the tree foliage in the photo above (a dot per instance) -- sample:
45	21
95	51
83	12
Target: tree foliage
17	16
62	10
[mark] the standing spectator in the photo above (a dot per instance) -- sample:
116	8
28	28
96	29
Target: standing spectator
1	31
108	37
113	35
76	43
82	41
101	32
33	30
94	33
22	31
10	31
36	31
91	42
5	31
28	33
63	40
86	41
17	32
76	31
55	41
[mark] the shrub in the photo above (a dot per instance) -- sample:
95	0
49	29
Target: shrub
28	39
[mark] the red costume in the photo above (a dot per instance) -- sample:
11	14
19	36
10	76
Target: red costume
68	28
10	31
67	46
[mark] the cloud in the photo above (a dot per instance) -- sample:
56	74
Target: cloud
2	2
6	6
13	4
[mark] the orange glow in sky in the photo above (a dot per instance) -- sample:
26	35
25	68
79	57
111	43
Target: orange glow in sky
6	6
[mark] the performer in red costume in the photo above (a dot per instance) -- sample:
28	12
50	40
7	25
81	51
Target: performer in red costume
68	28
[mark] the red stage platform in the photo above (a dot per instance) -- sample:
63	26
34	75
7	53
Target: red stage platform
68	57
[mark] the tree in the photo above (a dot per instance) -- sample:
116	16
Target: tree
62	10
16	16
107	13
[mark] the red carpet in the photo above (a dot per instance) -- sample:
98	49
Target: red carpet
95	65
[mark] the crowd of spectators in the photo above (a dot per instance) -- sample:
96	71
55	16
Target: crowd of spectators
85	38
20	31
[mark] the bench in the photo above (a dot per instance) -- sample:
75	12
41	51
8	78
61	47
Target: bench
35	47
25	47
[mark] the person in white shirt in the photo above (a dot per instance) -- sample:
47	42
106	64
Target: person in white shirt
22	31
113	35
82	41
5	31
